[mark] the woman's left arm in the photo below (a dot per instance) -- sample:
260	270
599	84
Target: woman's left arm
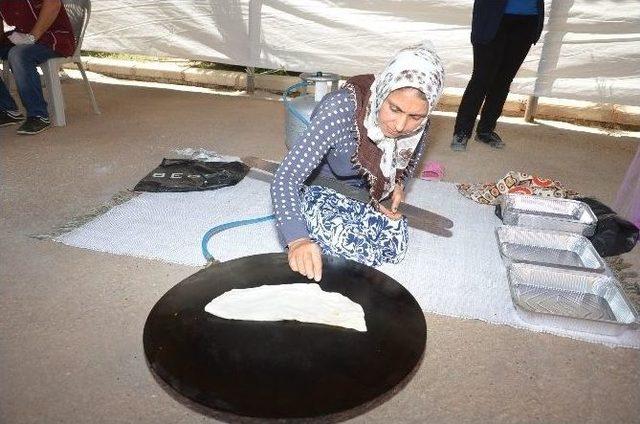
402	175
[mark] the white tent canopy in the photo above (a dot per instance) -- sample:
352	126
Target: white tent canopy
589	50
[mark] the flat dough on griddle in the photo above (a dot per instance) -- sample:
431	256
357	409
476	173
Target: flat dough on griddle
289	302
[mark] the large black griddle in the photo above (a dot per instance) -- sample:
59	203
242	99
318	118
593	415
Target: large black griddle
283	369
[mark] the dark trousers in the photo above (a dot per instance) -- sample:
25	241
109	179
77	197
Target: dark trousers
494	66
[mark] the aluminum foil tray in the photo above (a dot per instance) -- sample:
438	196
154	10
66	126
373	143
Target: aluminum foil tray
579	301
548	213
549	248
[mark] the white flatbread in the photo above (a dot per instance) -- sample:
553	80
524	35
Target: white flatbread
292	302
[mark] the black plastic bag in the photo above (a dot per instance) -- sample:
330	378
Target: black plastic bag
178	175
498	211
614	235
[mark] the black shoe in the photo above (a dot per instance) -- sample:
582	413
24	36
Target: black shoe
491	138
8	117
34	125
459	142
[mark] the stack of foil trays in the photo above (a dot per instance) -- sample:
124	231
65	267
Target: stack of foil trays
555	275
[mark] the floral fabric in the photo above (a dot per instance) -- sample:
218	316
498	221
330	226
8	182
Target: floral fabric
346	228
514	182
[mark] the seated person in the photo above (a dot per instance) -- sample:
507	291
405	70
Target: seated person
42	31
370	134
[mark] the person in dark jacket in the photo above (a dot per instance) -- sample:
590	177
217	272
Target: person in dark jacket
502	32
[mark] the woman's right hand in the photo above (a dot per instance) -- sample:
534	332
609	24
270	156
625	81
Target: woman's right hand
397	197
305	257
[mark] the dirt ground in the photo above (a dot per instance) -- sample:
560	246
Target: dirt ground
71	320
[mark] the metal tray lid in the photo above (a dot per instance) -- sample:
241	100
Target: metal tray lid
576	295
558	241
548	207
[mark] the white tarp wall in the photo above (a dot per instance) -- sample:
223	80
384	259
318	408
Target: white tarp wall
590	49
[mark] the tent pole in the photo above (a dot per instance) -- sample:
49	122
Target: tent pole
558	13
251	81
532	107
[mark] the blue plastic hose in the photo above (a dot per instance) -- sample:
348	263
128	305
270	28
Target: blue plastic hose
220	228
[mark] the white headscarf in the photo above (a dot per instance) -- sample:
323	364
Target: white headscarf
418	67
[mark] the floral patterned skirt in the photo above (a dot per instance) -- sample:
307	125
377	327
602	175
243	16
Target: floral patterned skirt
346	228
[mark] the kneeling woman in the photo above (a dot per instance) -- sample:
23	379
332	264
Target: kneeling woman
370	134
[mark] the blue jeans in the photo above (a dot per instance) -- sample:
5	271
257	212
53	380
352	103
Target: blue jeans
23	61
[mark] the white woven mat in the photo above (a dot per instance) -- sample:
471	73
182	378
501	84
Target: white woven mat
462	276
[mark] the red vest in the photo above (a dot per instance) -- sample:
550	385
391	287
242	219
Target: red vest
23	15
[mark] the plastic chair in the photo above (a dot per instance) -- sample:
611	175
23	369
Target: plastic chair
79	12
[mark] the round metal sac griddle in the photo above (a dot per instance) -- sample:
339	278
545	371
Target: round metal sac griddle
283	369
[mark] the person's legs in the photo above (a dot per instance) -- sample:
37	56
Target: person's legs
518	44
6	101
9	113
23	61
485	60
